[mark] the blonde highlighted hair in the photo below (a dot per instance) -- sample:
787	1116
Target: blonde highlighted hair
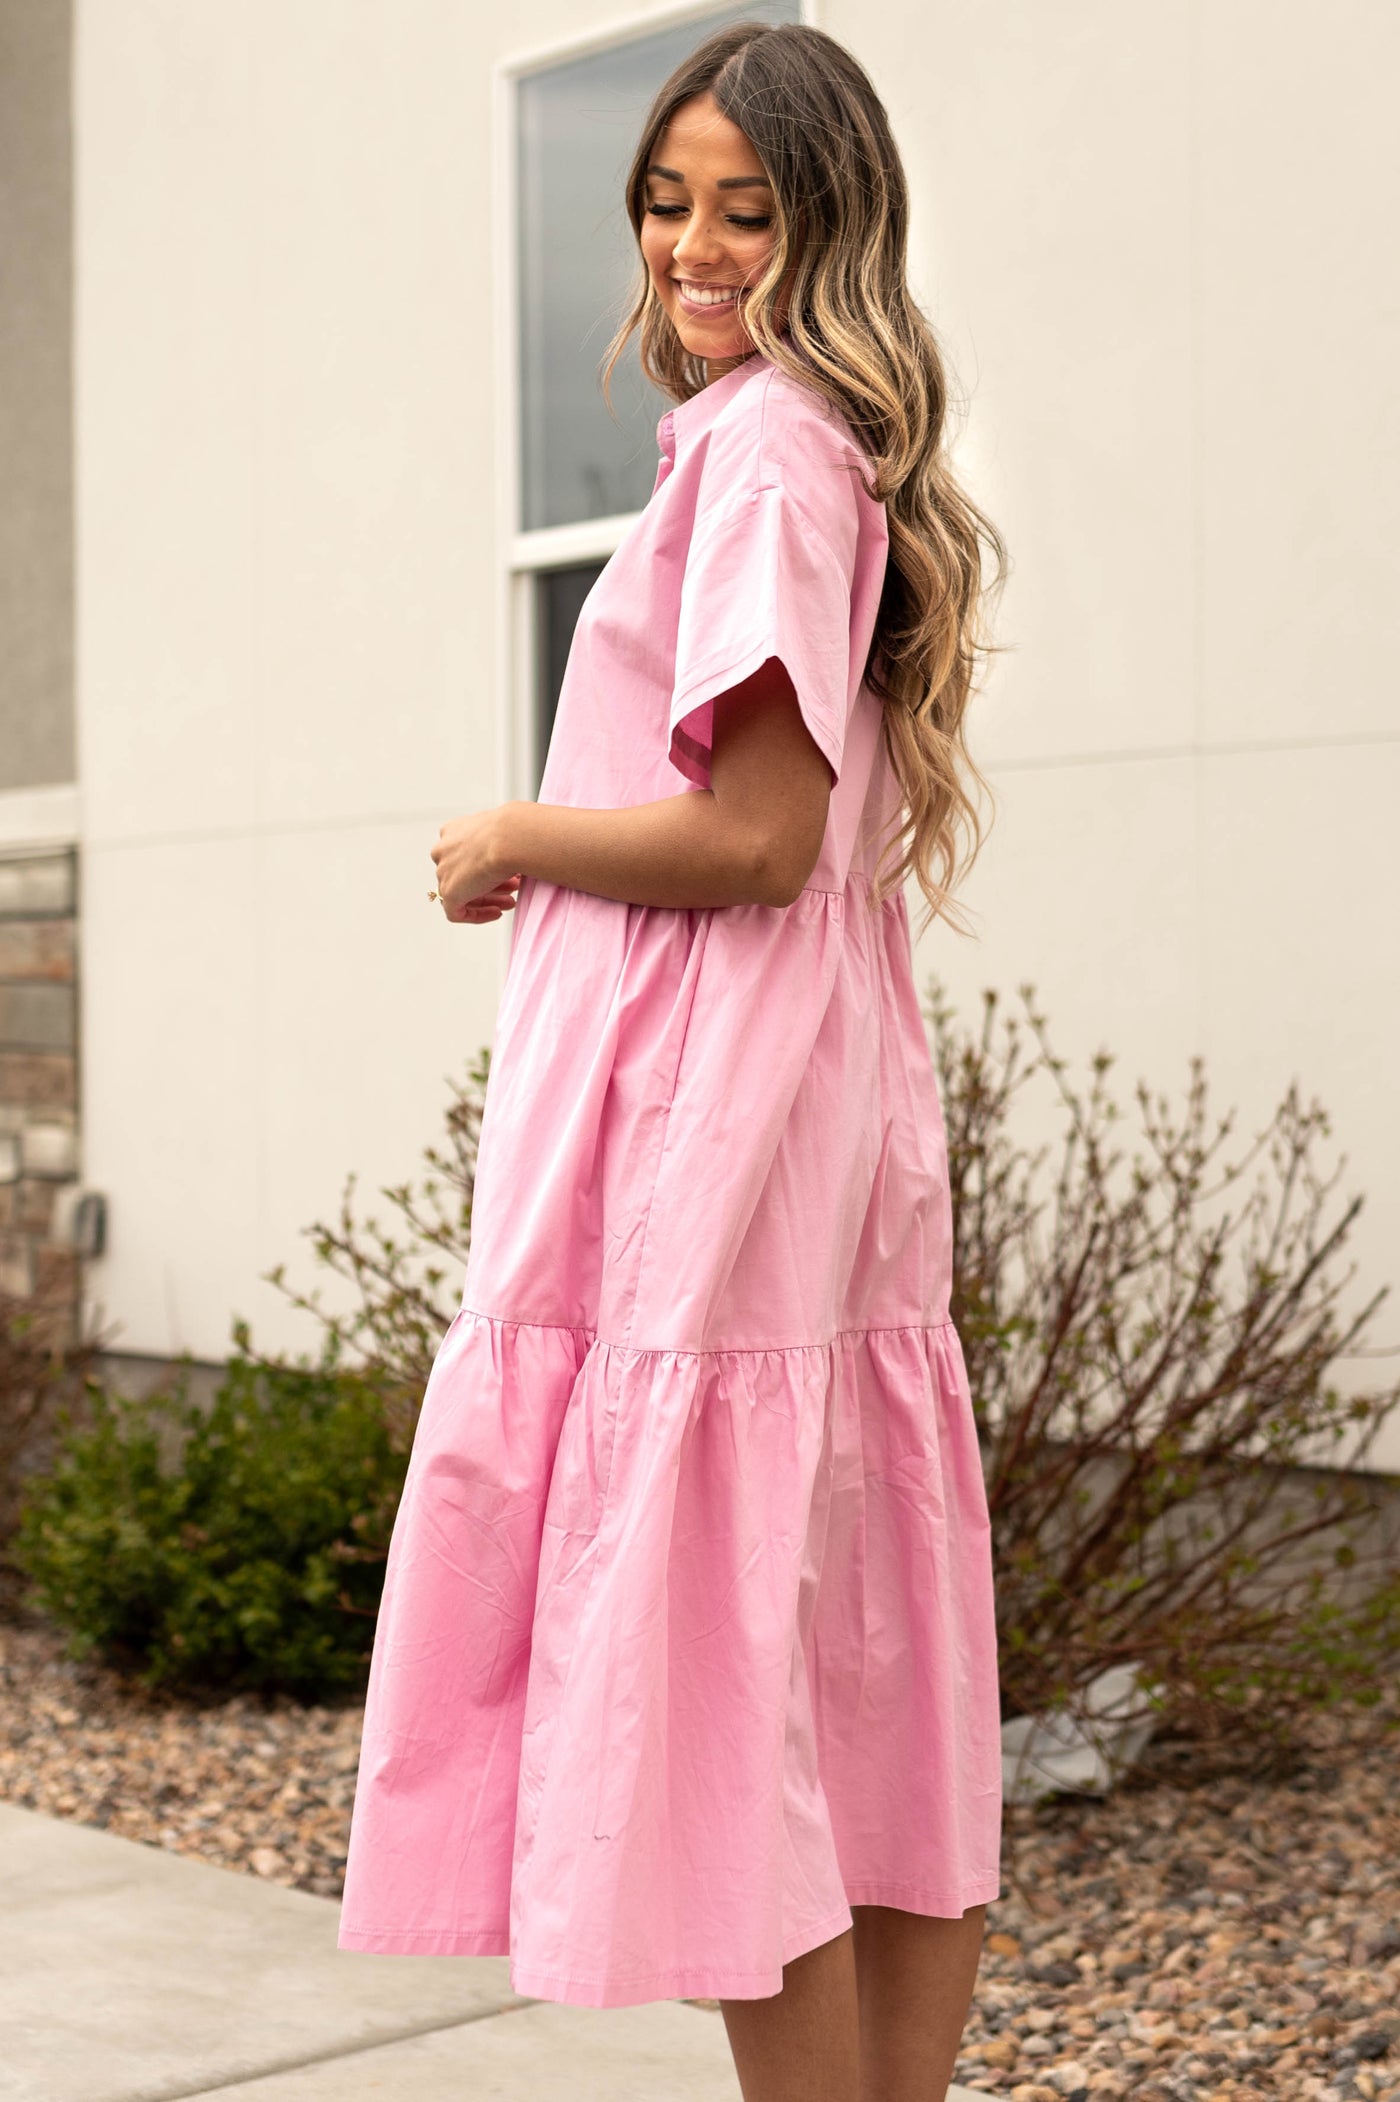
833	310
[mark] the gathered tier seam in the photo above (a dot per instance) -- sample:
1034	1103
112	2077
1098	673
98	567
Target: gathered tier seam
738	1350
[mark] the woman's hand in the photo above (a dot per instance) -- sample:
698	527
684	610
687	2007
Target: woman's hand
474	878
752	838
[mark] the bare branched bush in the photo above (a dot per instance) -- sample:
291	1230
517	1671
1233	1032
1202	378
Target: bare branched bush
406	1278
1153	1336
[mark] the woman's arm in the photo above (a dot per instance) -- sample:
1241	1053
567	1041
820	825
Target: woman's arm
751	838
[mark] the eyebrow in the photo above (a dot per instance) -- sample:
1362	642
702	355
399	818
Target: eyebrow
726	182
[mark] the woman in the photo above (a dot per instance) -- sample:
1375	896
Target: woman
684	1681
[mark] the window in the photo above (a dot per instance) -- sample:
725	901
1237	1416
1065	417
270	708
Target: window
36	412
559	597
582	474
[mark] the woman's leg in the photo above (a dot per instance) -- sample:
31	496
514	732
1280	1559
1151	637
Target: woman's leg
802	2044
915	1977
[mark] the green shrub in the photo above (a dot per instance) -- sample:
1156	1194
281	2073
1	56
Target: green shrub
240	1545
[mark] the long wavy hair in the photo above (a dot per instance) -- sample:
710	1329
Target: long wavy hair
833	310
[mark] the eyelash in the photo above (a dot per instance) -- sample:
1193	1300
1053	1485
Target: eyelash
669	211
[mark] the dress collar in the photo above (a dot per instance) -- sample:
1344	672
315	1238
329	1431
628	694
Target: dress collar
688	418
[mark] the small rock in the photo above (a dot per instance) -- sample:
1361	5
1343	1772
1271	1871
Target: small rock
1071	2078
1000	1944
1000	2051
266	1861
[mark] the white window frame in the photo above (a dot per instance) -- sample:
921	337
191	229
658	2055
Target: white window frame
39	818
522	555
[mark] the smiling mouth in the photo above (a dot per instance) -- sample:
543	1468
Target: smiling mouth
706	295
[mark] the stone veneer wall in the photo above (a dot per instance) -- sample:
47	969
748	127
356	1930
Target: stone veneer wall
38	1073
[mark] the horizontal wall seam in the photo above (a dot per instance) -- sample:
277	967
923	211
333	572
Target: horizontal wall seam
213	835
1045	763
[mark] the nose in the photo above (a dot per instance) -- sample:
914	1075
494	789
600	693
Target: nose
698	242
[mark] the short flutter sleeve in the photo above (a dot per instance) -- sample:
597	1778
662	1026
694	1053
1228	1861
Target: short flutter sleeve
769	573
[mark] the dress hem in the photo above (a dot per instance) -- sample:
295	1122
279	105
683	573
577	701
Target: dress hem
699	1981
933	1904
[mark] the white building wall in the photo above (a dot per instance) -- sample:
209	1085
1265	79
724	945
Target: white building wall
287	620
1157	245
1157	241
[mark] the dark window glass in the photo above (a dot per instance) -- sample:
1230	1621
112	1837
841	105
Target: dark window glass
577	129
559	597
36	397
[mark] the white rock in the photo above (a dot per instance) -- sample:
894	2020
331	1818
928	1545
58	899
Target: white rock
1042	1754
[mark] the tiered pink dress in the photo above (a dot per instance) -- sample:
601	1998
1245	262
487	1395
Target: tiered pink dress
687	1643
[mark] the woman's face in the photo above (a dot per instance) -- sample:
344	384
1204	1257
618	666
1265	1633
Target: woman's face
708	229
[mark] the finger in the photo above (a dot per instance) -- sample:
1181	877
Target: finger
497	900
495	896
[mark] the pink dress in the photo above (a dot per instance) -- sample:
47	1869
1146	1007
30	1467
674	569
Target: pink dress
686	1643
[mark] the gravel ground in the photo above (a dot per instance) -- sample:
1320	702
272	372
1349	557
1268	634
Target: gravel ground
247	1784
1236	1939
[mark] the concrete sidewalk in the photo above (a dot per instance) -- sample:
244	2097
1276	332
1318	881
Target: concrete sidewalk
132	1975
